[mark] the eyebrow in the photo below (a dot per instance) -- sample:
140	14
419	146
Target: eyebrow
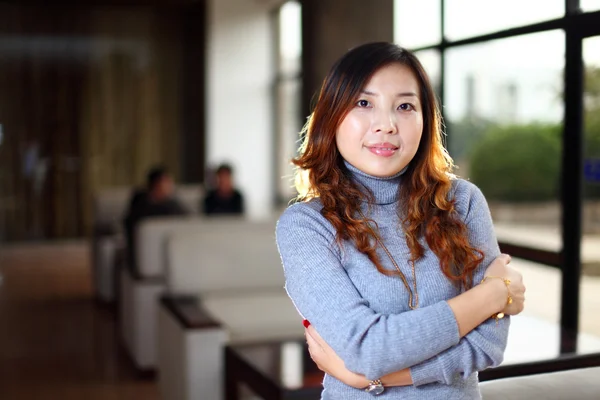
403	94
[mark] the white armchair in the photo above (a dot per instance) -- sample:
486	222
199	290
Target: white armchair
110	206
142	284
225	284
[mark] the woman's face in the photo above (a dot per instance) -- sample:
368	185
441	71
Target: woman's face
381	133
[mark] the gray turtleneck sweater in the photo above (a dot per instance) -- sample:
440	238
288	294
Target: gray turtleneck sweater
364	315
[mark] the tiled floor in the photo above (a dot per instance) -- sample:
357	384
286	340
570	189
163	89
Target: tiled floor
55	343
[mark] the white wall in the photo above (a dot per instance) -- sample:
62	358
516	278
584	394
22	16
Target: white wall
239	114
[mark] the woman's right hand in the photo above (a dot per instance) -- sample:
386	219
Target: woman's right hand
500	267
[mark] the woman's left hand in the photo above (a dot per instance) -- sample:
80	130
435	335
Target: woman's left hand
329	362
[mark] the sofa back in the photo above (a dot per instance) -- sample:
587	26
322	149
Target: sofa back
110	204
576	384
224	255
151	240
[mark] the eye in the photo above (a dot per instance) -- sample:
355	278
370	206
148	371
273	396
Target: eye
363	103
406	107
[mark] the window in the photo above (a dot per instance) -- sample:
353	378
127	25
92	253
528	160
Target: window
466	18
290	38
589	296
534	334
432	64
504	100
590	5
288	88
417	23
504	113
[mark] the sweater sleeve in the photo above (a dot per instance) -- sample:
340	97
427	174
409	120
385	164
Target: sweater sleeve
370	343
484	346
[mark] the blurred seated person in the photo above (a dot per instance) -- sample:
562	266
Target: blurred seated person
156	200
224	199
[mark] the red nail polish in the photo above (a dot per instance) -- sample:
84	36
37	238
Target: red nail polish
306	323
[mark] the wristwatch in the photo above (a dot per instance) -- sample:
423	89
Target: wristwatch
375	387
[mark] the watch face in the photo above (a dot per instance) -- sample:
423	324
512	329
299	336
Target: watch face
378	389
375	389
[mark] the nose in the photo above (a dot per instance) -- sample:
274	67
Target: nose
384	122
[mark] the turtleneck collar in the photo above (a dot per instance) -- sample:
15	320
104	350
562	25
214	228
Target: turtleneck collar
385	189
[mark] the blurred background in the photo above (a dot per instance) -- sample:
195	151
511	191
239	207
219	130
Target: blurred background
96	93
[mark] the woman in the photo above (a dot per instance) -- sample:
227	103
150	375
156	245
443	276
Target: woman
387	251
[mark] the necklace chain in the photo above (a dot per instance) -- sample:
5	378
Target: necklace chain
411	296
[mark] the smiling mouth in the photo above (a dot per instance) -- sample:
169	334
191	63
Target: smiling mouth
383	151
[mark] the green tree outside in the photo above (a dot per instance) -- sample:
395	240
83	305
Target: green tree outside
521	163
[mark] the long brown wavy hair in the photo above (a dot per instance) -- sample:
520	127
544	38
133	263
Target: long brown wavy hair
425	206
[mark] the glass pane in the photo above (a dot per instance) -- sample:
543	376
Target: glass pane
589	309
288	88
590	5
535	333
465	18
289	124
417	23
504	114
432	64
290	38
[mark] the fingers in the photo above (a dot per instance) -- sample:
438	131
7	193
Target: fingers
505	257
516	279
313	332
313	338
315	351
312	343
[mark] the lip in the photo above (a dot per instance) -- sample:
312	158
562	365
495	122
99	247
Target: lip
383	149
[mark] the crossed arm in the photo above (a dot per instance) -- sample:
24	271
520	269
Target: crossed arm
430	344
479	349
